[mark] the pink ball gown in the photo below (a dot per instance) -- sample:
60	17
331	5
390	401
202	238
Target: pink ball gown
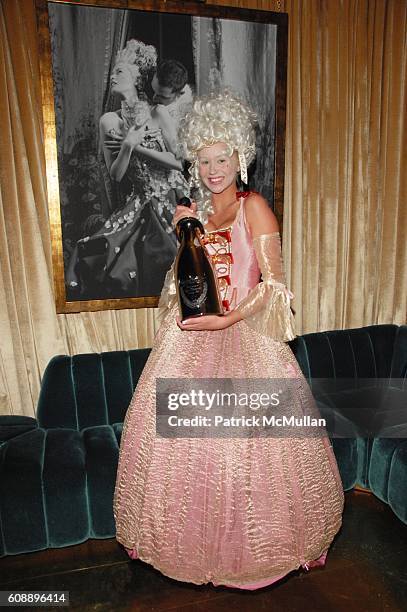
239	512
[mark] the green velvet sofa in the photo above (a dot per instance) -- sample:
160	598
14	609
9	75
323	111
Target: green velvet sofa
57	472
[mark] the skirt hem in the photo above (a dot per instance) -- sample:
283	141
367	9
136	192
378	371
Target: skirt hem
319	562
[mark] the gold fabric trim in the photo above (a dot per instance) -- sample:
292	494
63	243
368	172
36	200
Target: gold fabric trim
267	307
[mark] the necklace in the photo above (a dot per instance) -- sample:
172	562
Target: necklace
134	113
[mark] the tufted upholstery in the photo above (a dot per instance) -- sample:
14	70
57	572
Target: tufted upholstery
366	352
57	473
87	390
355	359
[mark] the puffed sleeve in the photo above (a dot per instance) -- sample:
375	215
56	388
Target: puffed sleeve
168	295
267	307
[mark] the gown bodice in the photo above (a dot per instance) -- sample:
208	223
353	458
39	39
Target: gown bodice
150	179
234	258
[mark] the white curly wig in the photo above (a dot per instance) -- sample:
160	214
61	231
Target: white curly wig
218	117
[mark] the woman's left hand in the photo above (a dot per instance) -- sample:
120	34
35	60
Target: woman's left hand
114	142
184	211
205	323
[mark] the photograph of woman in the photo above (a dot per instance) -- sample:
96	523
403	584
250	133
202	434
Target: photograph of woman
238	512
136	245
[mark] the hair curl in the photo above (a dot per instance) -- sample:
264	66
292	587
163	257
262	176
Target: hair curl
218	117
141	60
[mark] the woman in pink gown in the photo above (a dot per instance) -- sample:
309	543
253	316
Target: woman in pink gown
239	512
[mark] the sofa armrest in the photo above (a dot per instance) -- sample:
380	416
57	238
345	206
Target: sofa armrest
15	425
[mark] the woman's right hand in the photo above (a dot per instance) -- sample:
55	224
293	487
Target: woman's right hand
185	211
134	136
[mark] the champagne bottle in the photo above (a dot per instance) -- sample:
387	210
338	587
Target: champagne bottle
195	278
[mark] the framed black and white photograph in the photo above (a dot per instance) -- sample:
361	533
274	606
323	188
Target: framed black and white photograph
116	83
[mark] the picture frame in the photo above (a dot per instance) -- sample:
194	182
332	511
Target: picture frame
241	49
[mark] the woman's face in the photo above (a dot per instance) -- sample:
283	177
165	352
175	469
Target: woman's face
123	78
217	169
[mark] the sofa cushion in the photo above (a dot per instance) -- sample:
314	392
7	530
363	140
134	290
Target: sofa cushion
22	508
345	360
397	487
346	454
399	361
89	390
366	412
337	424
65	487
56	403
353	353
15	425
56	488
102	456
118	430
383	450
